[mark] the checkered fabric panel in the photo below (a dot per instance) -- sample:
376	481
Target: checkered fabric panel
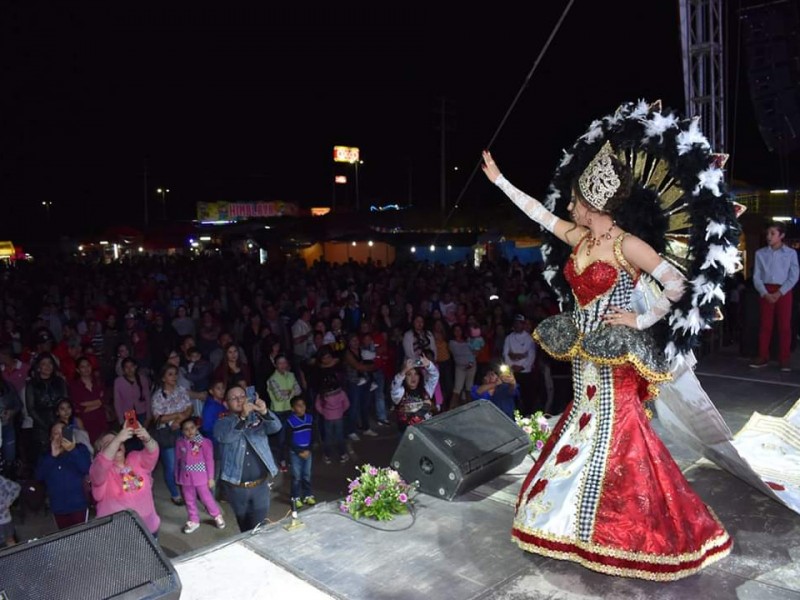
592	484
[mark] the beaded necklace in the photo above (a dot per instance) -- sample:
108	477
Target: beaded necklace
596	241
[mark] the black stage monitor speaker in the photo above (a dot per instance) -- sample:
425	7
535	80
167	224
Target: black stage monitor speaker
110	557
771	34
457	451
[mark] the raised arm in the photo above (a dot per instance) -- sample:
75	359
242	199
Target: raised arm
567	231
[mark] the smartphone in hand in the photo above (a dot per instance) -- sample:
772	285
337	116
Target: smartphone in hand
68	433
130	419
250	391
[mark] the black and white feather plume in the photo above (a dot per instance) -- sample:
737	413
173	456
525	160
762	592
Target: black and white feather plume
679	205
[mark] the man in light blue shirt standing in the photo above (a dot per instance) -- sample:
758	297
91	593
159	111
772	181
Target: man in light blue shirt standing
775	274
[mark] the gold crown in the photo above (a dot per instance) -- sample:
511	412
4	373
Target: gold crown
599	181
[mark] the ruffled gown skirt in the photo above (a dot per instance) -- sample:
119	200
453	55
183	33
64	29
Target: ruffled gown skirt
606	493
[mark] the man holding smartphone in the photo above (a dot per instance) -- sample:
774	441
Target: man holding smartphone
247	462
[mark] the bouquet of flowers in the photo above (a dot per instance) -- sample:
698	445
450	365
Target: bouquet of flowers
379	493
537	428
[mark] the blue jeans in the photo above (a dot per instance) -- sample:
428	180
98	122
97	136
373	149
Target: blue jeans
168	462
380	397
359	407
301	475
277	441
334	437
9	449
249	505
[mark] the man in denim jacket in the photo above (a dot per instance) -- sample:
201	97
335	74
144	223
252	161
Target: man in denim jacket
247	463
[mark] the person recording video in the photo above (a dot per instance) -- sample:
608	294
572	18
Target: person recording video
499	387
247	461
412	391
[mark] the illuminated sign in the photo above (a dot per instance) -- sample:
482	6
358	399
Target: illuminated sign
340	179
318	211
232	211
345	154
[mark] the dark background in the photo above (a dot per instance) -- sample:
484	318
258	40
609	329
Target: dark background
243	104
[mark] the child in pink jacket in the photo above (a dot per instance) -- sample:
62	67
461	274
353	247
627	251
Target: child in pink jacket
194	472
331	404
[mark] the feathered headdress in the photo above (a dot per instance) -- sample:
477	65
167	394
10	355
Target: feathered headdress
678	204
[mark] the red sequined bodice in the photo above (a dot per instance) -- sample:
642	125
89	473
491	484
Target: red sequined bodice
595	280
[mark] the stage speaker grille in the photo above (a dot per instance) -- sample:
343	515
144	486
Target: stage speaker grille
456	451
110	557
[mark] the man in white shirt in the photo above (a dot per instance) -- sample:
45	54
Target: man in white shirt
519	353
775	274
302	338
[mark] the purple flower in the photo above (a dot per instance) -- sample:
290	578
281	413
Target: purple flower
349	499
344	508
373	471
539	444
354	484
403	498
368	500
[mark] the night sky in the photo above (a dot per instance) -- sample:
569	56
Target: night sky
244	104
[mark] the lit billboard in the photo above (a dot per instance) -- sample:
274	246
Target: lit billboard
345	154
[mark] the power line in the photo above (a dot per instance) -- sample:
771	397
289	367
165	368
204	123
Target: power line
511	108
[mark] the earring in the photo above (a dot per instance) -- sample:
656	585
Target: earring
589	221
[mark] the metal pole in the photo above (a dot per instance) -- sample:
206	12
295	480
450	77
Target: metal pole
442	165
146	216
358	201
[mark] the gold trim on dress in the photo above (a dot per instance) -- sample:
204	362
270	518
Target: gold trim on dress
577	350
623	262
623	572
652	558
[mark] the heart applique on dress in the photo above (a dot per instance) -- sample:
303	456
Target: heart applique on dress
584	420
537	488
566	454
776	486
591	390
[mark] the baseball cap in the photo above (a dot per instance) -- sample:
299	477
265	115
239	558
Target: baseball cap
519	317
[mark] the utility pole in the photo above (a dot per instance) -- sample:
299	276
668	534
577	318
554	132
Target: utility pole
444	128
146	223
410	182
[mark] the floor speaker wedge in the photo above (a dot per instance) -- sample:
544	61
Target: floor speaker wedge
456	451
110	557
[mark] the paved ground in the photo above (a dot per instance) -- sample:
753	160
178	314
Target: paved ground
724	367
329	483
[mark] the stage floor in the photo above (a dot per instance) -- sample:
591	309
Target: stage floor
463	549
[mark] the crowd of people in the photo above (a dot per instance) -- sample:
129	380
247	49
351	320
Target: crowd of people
224	370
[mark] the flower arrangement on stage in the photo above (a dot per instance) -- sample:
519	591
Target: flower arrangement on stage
537	428
378	492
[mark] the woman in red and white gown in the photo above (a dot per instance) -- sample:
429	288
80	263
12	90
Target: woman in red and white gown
605	492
